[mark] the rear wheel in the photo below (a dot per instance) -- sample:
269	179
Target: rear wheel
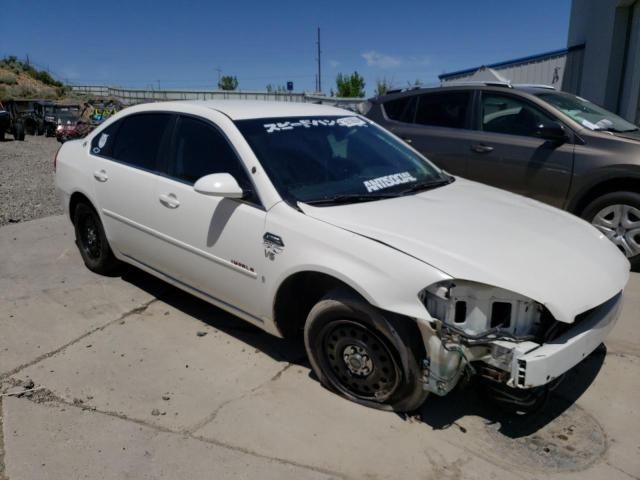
356	351
617	216
92	241
18	131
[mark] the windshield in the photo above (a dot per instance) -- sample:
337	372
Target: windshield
312	159
587	114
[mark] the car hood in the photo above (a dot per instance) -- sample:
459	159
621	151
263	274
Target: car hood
474	232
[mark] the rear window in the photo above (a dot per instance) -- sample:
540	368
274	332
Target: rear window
447	109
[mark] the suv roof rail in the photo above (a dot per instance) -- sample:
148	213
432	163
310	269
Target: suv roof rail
488	83
534	85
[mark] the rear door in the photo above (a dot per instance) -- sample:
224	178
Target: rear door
507	152
436	124
126	157
211	244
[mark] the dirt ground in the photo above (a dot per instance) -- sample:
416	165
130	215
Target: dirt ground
26	179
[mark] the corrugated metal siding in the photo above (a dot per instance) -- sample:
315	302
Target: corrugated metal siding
548	71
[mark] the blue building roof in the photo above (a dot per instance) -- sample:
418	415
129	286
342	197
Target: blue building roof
511	63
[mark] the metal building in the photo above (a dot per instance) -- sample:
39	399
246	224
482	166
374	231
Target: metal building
607	69
544	68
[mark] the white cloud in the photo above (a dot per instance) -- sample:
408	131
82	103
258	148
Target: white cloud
382	60
376	59
334	63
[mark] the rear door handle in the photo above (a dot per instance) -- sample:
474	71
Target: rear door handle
100	175
481	148
169	200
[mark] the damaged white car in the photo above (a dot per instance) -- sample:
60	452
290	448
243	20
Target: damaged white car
311	220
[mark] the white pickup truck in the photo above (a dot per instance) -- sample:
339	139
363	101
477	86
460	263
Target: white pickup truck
312	220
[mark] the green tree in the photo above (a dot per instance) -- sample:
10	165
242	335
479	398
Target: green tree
383	86
350	85
227	82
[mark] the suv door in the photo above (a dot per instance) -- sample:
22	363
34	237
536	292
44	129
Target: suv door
509	153
125	160
211	244
434	124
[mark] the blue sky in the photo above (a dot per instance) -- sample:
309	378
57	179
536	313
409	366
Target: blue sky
180	44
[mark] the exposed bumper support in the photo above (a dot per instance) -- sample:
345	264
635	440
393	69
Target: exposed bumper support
541	365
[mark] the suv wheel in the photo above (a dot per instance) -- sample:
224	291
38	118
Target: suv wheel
617	216
355	351
92	241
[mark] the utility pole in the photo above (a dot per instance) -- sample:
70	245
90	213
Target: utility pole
219	70
319	65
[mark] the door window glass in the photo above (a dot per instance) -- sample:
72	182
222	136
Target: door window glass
447	109
201	149
102	144
401	109
138	140
510	115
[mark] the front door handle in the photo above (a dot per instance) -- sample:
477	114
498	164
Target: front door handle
100	175
481	148
169	200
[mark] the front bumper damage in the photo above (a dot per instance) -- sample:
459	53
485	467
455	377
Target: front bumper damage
516	364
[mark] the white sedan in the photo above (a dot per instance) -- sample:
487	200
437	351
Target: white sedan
311	220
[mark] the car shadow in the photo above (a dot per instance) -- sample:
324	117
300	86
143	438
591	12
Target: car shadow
445	412
279	349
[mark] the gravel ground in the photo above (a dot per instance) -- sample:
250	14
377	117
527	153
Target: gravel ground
26	179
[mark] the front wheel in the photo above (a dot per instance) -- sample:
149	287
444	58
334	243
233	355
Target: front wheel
356	351
92	241
617	216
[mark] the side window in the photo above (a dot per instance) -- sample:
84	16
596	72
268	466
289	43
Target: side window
401	109
447	109
510	115
200	149
102	144
138	139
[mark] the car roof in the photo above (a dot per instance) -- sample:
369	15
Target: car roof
530	89
250	109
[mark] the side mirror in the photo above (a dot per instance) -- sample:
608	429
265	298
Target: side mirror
219	185
551	131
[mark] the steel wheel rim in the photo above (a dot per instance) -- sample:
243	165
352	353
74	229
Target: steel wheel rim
90	237
621	224
358	361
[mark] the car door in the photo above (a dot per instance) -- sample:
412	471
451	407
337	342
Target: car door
436	125
125	160
211	244
509	153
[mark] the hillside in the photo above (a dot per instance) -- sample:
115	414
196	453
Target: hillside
19	80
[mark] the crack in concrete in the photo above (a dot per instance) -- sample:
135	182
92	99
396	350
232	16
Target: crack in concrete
210	418
134	311
54	399
630	475
2	467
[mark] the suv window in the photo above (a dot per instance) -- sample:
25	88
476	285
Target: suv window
401	109
510	115
201	149
446	109
138	139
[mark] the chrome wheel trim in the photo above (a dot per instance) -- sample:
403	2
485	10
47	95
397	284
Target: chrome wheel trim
620	224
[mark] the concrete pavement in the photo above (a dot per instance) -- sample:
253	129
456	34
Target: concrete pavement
140	380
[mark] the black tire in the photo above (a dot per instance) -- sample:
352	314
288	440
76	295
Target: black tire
388	349
631	199
18	131
1	135
92	241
